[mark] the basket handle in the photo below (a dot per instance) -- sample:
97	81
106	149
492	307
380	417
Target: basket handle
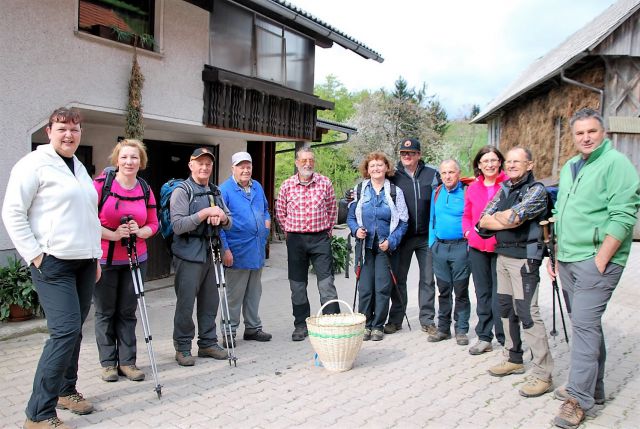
334	300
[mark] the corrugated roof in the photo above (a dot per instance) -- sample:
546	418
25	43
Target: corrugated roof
567	53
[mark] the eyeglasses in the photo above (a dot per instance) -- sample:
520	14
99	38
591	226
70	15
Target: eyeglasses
306	161
490	161
406	153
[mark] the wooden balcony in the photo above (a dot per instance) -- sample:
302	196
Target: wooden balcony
240	103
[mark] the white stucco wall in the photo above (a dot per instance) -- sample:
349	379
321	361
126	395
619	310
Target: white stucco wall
45	65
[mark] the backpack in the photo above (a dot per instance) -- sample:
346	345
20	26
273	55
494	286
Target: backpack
107	177
392	192
164	214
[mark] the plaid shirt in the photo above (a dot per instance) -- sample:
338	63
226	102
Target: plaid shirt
309	207
533	202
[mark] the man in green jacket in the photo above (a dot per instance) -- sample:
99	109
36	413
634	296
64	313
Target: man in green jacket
598	198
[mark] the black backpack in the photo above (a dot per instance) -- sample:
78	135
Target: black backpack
343	204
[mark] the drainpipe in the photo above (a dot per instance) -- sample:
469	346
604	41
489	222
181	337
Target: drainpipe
585	86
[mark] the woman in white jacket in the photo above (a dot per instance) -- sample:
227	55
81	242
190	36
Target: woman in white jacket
50	212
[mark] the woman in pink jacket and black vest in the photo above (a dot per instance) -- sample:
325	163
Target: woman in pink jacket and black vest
487	166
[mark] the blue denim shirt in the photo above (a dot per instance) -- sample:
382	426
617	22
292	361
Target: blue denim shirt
376	219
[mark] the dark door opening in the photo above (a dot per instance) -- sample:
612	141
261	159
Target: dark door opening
167	160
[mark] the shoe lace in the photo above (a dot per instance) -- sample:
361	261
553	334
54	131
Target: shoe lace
568	408
55	422
76	397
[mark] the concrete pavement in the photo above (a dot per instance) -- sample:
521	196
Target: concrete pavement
402	381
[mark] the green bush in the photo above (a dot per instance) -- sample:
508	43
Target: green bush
16	288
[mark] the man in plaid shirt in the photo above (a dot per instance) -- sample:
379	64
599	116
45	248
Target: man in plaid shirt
306	209
514	215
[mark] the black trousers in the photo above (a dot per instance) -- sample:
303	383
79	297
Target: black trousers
115	302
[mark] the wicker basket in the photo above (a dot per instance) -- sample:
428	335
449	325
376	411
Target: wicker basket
336	338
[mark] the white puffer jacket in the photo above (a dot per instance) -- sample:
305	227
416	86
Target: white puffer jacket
48	209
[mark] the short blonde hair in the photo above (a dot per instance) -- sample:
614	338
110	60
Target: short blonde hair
378	156
129	143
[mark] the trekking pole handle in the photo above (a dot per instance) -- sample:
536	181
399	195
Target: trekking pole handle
332	301
126	240
545	230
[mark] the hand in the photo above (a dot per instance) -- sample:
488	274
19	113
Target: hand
361	233
601	264
121	232
37	261
98	271
133	227
227	258
214	215
553	274
384	246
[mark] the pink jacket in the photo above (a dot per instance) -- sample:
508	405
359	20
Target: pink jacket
475	200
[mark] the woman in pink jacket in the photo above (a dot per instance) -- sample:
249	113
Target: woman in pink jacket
487	166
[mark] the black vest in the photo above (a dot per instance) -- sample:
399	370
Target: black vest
524	241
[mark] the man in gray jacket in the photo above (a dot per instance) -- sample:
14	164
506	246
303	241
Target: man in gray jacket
197	210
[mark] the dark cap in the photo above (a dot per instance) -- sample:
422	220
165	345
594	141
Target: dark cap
410	145
202	151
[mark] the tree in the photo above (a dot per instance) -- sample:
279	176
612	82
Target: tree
384	120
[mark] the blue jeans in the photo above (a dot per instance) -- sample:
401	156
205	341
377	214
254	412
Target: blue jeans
451	265
64	288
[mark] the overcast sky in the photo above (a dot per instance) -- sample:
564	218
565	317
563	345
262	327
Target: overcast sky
467	51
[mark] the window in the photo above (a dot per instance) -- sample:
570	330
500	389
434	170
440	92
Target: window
126	21
244	42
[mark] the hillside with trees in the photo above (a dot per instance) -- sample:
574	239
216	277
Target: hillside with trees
384	119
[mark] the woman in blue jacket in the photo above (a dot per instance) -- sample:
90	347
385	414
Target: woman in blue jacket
378	219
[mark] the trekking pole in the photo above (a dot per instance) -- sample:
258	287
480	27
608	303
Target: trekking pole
138	287
358	267
347	258
545	238
222	296
552	239
547	234
394	280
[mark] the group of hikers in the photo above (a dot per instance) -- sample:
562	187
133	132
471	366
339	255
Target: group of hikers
82	237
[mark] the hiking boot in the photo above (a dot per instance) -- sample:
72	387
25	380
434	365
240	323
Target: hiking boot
109	373
233	340
367	335
256	335
75	403
52	422
185	358
377	335
439	336
391	328
480	347
570	415
132	372
506	368
562	394
535	387
215	351
299	333
430	329
462	339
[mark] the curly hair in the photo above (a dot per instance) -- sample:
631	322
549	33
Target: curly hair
378	156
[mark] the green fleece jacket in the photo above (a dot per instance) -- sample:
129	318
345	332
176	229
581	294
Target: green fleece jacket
601	199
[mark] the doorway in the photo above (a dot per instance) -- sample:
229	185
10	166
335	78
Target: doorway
167	160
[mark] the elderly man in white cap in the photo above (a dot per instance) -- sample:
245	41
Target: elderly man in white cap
244	246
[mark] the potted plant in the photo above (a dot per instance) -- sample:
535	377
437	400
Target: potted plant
18	297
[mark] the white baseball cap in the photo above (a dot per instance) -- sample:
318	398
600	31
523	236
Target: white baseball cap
238	157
